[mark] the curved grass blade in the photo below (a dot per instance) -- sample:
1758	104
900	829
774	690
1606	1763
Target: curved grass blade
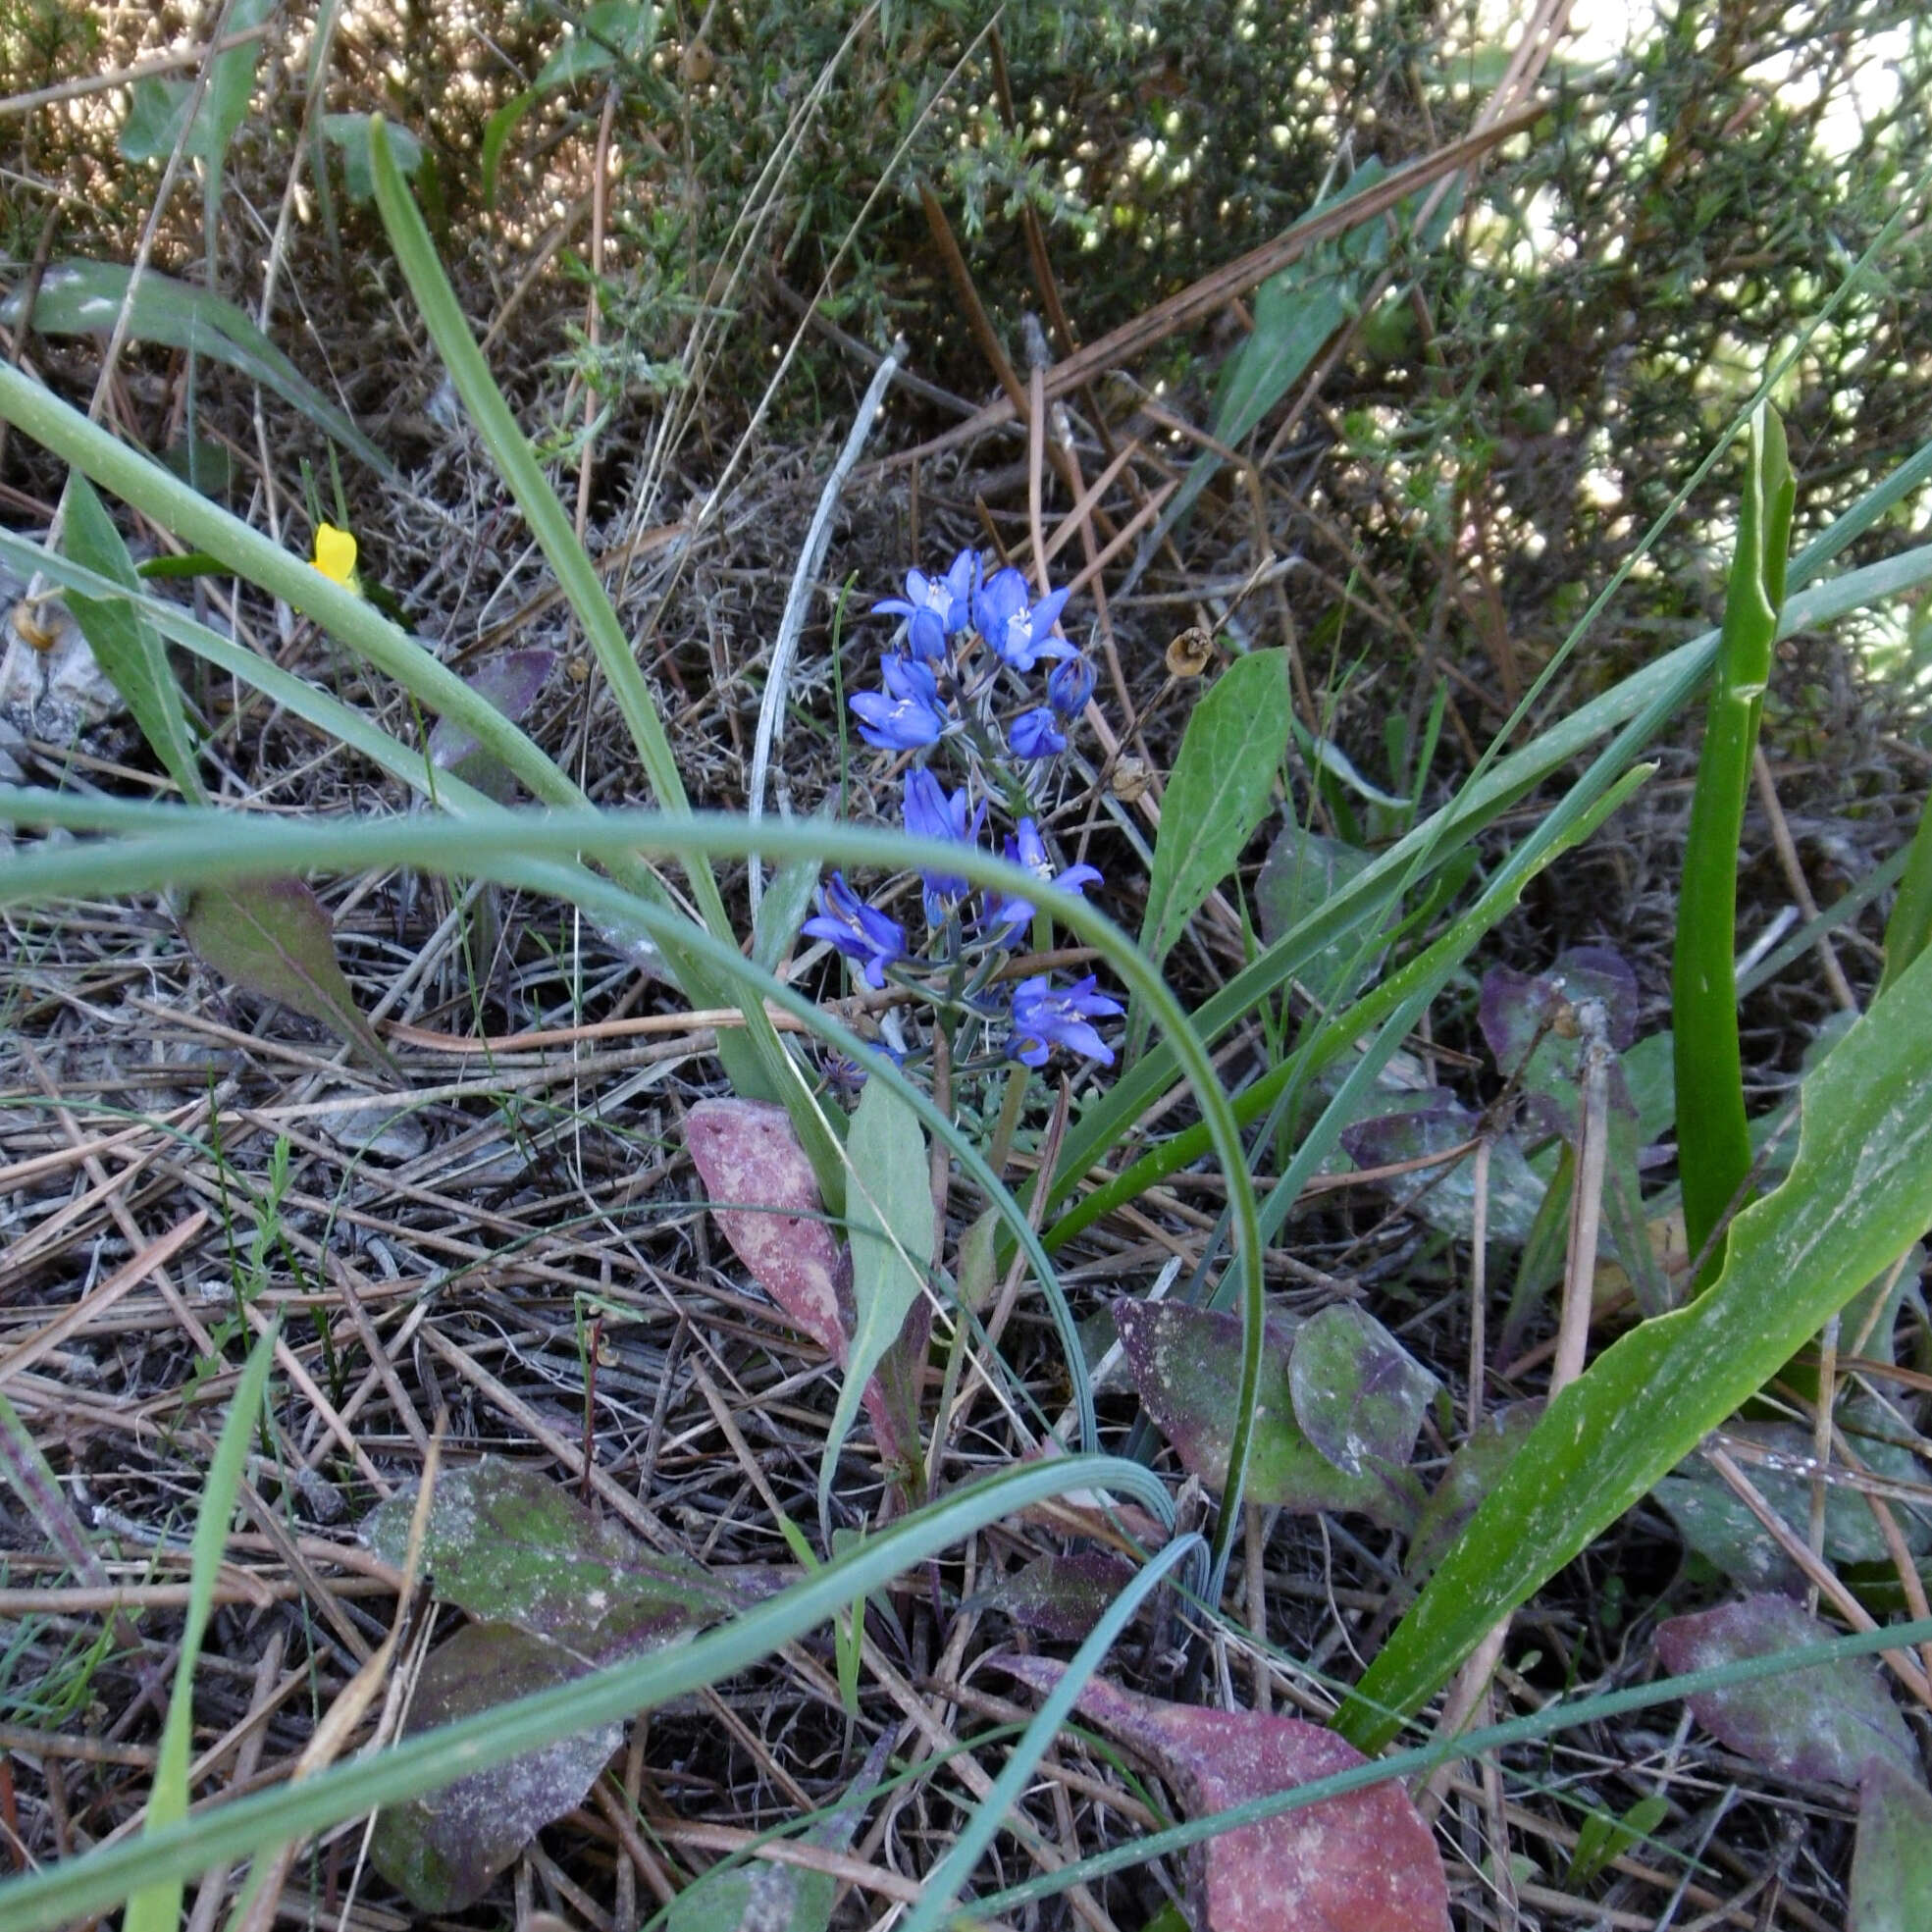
99	1879
1858	1194
199	846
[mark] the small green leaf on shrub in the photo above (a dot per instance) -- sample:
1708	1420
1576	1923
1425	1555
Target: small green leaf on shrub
1827	1722
1362	1862
274	938
1891	1862
608	31
349	135
1186	1364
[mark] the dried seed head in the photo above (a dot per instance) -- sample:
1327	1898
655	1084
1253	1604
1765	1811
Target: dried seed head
1189	654
1129	778
27	624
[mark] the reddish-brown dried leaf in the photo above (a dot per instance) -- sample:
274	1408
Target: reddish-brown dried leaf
765	1200
1364	1862
1827	1722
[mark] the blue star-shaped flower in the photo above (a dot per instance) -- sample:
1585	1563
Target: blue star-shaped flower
1045	1017
1007	920
1036	734
907	716
930	813
1021	632
935	608
860	931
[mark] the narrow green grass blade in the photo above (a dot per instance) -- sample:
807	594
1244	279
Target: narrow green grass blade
756	1061
944	1884
1858	1194
157	1906
1713	1139
98	1880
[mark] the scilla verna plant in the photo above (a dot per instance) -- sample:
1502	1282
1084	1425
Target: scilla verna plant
958	690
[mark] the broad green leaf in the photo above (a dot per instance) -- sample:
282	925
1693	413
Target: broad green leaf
158	1908
158	109
125	644
1891	1862
1366	1863
349	133
1061	1596
889	1218
782	909
508	1546
1219	792
1186	1364
274	937
1302	869
83	298
1485	1452
1858	1194
1824	1723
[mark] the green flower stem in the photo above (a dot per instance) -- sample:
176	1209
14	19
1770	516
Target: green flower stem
757	1062
1713	1139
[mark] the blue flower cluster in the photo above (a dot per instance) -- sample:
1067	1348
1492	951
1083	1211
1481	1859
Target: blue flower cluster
970	638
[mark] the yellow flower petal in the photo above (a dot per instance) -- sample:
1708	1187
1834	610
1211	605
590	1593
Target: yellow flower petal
335	554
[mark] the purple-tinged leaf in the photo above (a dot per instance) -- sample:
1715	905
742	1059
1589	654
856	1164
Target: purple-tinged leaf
1892	1864
275	939
1061	1596
1470	1476
510	682
1443	1193
766	1201
1358	1394
444	1849
1529	1021
1362	1862
1186	1364
509	1545
1827	1722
